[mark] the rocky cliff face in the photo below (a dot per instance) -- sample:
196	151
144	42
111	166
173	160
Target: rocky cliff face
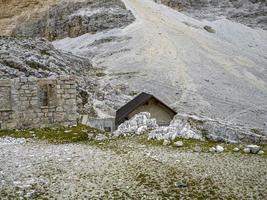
249	12
37	57
68	18
14	12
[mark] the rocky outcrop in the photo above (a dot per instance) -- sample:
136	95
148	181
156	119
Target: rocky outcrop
75	18
14	12
190	126
179	127
137	125
37	57
248	12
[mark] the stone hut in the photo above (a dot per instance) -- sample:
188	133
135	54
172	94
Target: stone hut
33	103
146	103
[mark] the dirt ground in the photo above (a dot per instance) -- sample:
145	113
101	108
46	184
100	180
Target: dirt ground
126	168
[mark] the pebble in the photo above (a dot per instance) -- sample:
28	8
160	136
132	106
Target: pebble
180	184
236	149
246	150
101	137
178	144
212	150
166	142
197	149
219	149
260	152
67	131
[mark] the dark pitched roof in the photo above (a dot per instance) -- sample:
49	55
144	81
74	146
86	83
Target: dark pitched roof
135	103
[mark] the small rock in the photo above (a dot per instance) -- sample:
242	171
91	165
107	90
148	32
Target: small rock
254	148
197	149
30	194
68	159
178	144
219	149
166	142
246	150
209	29
90	136
101	137
67	131
260	152
236	149
212	150
180	184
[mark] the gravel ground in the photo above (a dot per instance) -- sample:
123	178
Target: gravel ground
125	169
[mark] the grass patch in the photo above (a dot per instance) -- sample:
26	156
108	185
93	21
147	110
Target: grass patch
189	144
55	135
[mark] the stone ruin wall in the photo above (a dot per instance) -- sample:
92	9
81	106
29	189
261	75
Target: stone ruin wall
34	103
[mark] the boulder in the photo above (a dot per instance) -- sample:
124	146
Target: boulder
166	143
253	148
236	149
212	149
138	124
219	149
101	137
141	130
178	144
90	136
260	152
195	127
246	150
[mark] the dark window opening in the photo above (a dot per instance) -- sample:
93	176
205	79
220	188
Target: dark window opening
47	95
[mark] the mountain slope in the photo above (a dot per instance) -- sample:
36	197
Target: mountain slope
220	73
248	12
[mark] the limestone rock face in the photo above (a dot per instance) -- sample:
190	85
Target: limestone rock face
13	12
75	18
139	124
37	57
248	12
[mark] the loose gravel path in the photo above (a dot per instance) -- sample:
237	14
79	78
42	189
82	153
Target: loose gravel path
125	169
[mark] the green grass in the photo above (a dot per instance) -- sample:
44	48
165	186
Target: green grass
189	144
56	135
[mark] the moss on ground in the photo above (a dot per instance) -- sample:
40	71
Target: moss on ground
189	144
56	135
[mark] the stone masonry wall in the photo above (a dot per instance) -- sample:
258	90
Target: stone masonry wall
33	103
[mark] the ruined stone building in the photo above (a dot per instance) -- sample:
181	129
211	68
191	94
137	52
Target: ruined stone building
33	103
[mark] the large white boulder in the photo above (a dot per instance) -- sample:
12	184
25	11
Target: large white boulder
200	127
137	125
219	149
253	148
178	128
